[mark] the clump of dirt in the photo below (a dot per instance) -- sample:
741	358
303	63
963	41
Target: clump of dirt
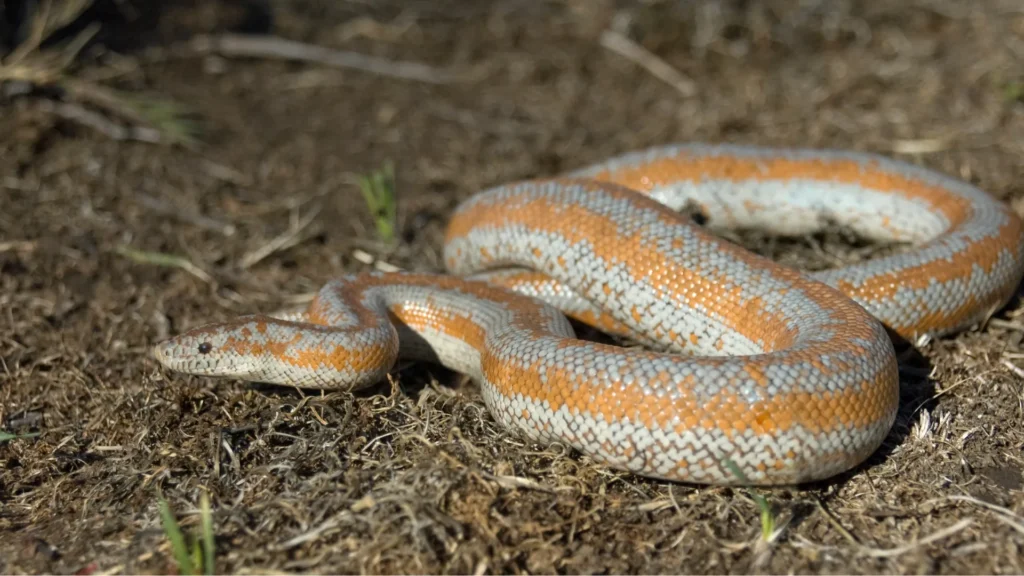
414	475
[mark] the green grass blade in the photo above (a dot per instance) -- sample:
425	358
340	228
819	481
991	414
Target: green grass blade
378	190
173	532
196	556
5	436
169	118
767	517
206	518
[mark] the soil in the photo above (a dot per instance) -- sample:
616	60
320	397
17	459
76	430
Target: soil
414	475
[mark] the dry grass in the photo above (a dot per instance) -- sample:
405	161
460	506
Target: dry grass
34	66
414	475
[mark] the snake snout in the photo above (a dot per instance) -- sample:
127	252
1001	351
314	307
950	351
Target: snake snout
163	353
178	354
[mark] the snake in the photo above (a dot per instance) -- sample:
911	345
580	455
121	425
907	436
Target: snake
745	371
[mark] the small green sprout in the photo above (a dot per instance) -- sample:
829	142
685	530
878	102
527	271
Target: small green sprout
378	190
1014	91
767	516
201	551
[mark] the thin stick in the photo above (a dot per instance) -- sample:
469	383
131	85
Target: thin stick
76	113
195	219
1013	368
656	66
161	259
283	241
922	145
325	526
280	48
934	537
899	550
17	246
1003	514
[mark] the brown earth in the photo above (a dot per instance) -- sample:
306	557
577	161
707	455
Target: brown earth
417	477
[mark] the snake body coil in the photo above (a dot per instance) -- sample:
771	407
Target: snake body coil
787	377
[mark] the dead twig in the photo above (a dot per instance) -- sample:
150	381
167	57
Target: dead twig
933	537
289	238
660	69
1013	368
74	112
516	482
365	257
281	48
899	550
315	533
17	246
1003	514
161	259
161	207
922	145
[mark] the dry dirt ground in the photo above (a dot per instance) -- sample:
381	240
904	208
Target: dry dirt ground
416	476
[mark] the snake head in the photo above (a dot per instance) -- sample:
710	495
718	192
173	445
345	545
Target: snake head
225	350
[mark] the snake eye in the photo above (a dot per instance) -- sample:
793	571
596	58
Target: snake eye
205	348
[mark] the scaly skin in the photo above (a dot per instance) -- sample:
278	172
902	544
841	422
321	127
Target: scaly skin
788	377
